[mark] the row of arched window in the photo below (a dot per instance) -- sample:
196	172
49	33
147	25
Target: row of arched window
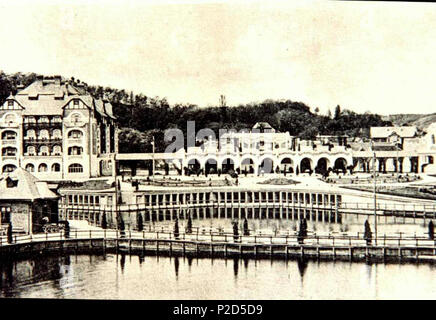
56	150
43	134
56	134
42	119
55	167
44	150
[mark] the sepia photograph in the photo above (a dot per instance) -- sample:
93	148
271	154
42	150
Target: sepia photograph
217	150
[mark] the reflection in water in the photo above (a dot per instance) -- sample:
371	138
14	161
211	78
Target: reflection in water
302	264
176	266
100	278
246	263
235	267
122	262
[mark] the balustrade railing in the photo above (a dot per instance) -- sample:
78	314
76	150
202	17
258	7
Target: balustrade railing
213	236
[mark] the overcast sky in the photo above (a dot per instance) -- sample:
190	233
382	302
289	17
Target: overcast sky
378	57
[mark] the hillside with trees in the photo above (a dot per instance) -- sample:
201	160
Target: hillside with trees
141	117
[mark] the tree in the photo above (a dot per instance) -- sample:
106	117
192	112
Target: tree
121	226
302	231
176	229
431	230
246	231
139	222
337	112
235	231
9	233
67	230
103	221
367	234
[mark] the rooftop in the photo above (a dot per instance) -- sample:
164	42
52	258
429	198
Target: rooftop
49	95
22	185
384	132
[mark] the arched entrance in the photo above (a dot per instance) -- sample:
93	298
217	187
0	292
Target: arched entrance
211	166
247	165
286	165
266	166
340	164
227	165
322	165
306	165
194	165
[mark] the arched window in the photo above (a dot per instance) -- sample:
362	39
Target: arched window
30	134
29	120
42	167
10	118
75	151
75	118
56	119
30	167
57	134
31	151
43	119
75	168
9	151
43	151
43	134
75	134
9	168
57	150
9	135
56	167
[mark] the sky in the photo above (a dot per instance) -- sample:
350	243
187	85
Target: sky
364	56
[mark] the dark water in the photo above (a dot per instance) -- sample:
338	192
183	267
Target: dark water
133	277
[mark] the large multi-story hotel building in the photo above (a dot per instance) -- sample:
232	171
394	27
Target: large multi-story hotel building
57	131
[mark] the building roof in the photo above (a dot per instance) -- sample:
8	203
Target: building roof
48	96
384	132
263	125
28	187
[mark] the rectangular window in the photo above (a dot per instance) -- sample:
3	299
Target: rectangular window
6	214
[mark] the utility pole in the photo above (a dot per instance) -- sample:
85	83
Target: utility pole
152	171
375	192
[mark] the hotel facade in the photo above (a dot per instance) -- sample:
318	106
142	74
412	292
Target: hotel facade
57	131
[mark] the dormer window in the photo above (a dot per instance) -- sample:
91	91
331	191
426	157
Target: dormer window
10	183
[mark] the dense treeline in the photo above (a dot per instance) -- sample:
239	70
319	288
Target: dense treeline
141	117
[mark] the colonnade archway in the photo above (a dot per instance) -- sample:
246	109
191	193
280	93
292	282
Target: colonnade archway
211	166
286	165
340	164
306	165
322	166
227	165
